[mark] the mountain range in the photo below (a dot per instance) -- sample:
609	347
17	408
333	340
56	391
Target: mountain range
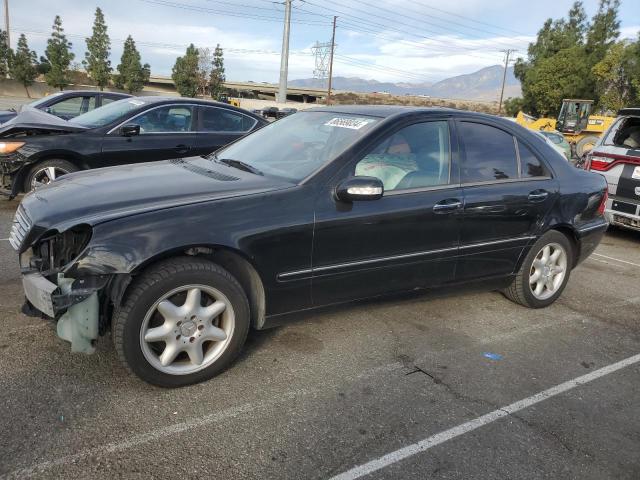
482	85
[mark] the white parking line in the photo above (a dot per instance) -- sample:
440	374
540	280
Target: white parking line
471	425
4	239
617	260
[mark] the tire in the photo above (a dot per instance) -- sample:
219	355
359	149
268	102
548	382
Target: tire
522	289
585	145
39	172
145	316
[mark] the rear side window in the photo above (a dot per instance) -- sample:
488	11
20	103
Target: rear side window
490	153
531	165
223	120
626	134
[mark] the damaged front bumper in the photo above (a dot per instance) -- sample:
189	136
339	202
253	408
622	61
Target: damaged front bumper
73	302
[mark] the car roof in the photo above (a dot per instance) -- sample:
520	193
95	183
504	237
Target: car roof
90	92
633	111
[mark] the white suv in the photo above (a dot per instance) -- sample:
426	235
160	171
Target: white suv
617	157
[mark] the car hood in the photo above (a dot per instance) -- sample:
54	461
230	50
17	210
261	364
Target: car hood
100	195
34	121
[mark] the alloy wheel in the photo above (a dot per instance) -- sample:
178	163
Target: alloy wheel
46	175
187	329
548	271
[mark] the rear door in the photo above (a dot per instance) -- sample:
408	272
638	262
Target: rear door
166	131
218	126
507	192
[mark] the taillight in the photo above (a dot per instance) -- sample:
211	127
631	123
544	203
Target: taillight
603	202
599	162
604	161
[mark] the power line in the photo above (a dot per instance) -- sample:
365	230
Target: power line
436	25
376	24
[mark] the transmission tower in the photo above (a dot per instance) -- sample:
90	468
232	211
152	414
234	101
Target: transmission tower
321	52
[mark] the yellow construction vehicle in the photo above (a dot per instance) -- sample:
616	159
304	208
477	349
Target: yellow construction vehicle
581	129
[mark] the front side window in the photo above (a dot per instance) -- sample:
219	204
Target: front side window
416	156
223	120
168	119
490	153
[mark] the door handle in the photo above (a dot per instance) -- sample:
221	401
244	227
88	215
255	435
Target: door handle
182	148
538	196
447	206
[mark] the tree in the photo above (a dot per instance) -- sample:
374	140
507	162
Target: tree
216	81
614	77
96	58
23	64
205	64
132	75
5	54
185	73
513	105
59	55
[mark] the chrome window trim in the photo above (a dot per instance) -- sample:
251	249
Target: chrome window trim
255	122
369	261
149	110
507	180
389	193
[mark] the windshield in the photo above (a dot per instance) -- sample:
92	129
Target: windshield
105	115
299	144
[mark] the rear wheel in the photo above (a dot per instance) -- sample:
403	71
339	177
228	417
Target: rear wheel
46	172
184	321
544	272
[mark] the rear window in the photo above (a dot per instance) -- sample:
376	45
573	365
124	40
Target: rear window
625	134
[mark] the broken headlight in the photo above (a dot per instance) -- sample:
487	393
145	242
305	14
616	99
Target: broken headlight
55	251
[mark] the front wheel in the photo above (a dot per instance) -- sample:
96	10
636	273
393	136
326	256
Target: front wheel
184	321
46	172
544	272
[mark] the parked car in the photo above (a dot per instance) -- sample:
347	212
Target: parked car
270	112
67	104
616	156
559	141
326	206
38	147
283	112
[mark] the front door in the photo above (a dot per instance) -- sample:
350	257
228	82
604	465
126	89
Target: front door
507	192
407	239
165	132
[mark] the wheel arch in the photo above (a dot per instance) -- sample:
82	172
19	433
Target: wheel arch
232	260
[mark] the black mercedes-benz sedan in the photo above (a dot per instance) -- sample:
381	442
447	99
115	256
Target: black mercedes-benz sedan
37	147
180	258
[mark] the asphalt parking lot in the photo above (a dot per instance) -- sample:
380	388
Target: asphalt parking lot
401	386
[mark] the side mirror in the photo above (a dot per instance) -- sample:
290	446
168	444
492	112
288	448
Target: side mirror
360	188
130	130
48	110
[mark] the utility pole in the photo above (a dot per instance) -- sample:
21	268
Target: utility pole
333	46
284	56
504	75
6	21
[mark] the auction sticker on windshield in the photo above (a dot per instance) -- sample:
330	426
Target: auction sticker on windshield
349	122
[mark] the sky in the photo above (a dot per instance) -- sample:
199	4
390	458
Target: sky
417	41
